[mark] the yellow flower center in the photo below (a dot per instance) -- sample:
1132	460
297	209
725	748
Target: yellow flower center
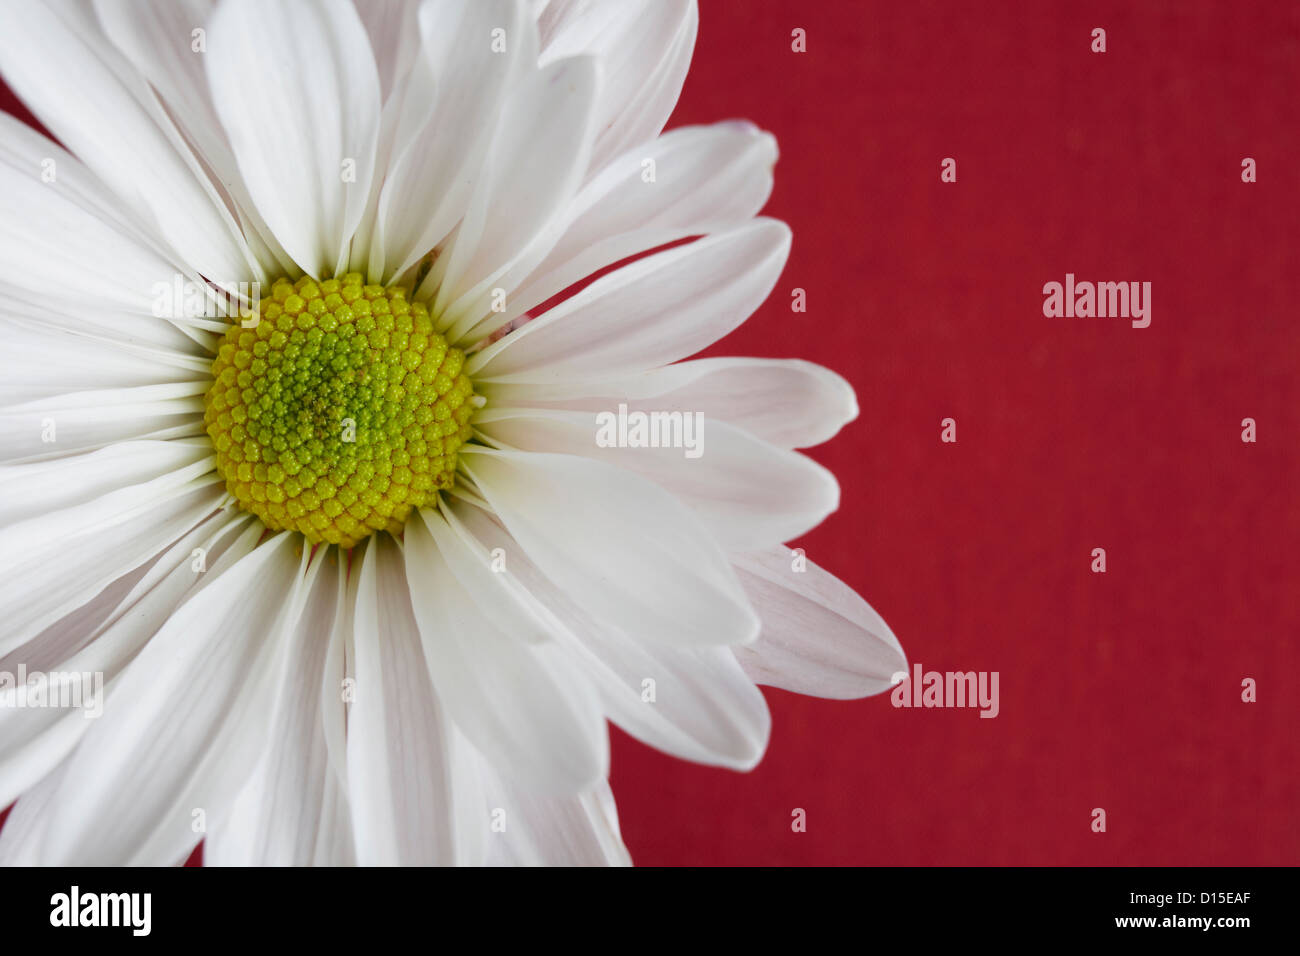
337	410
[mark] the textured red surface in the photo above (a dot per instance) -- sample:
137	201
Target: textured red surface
1121	690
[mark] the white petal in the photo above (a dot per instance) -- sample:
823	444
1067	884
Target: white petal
184	717
512	693
624	549
750	494
158	36
202	553
656	310
38	361
786	402
174	342
401	746
33	489
86	420
292	811
89	96
61	639
34	739
393	26
57	240
707	179
542	830
818	637
454	92
338	676
321	108
406	88
705	708
24	829
535	164
93	544
645	49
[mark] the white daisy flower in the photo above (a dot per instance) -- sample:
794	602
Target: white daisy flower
361	580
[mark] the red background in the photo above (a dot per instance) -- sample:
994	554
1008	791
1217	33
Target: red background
1119	690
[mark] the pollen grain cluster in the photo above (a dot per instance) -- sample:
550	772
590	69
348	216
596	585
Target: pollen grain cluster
339	411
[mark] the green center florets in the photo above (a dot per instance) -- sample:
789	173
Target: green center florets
339	411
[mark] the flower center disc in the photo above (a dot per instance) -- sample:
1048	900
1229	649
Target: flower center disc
339	411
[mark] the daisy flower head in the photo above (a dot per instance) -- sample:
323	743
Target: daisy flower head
365	503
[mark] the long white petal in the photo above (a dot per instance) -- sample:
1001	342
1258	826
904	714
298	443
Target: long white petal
401	745
39	360
534	829
789	403
645	47
338	677
510	690
160	38
34	489
656	310
292	811
819	637
303	126
72	651
185	717
90	545
749	494
94	418
702	708
25	827
58	241
705	179
56	58
394	30
173	341
535	164
622	547
454	91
